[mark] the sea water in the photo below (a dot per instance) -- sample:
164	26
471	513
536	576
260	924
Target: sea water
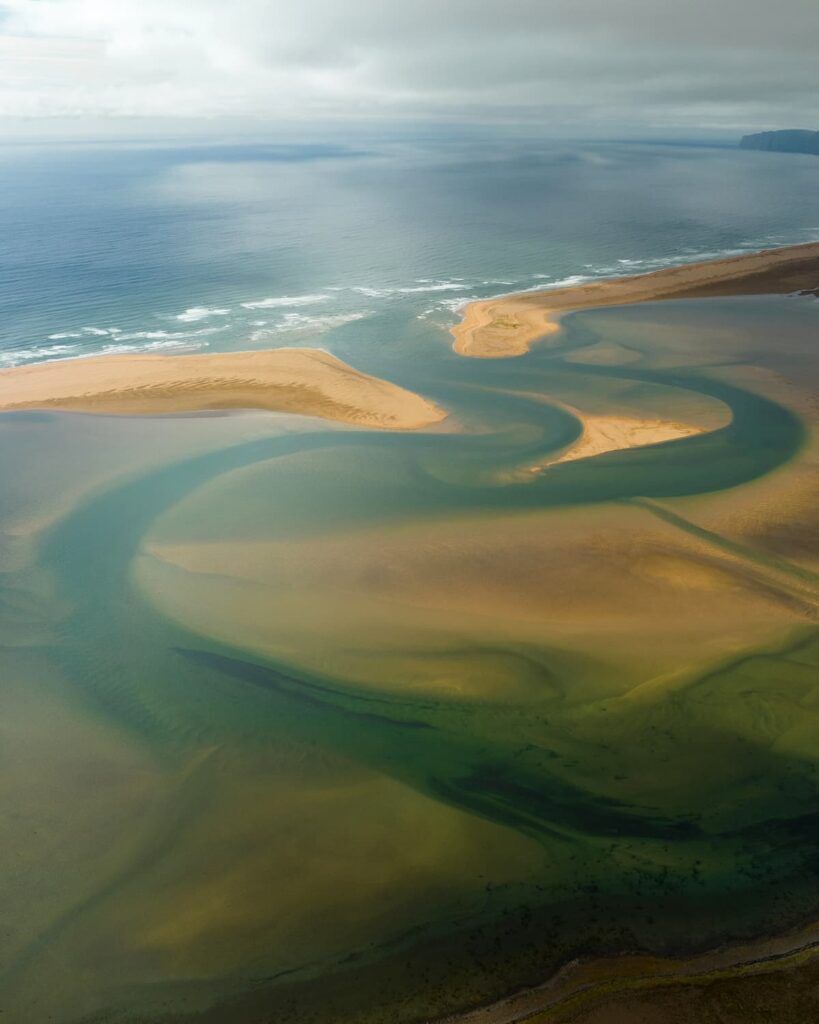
356	246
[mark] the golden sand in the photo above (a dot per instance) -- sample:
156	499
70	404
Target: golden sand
508	326
603	434
306	381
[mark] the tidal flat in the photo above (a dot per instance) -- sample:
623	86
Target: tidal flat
314	723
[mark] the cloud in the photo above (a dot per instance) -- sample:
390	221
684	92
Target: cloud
594	62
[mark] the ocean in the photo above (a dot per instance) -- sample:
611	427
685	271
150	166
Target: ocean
176	248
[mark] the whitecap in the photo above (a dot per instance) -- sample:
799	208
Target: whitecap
565	282
22	355
419	289
38	353
118	348
455	305
440	286
136	335
203	331
297	322
301	321
58	350
373	293
286	300
196	313
171	335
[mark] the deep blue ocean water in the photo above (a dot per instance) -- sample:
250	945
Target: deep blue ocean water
122	248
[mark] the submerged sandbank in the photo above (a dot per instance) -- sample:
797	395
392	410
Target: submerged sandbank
305	381
508	326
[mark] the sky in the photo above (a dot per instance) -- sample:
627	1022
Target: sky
572	67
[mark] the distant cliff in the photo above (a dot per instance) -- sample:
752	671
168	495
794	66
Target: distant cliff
791	140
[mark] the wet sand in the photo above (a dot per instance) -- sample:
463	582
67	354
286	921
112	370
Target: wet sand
305	381
508	326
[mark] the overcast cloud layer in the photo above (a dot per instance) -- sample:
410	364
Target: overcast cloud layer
601	66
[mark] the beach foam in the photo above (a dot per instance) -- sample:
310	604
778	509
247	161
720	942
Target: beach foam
197	313
416	289
297	322
16	357
169	345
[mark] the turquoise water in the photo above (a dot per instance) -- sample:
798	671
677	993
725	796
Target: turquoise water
355	247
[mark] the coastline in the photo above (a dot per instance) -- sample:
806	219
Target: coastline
508	326
308	382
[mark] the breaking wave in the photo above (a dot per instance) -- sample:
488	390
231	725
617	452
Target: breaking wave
286	300
197	313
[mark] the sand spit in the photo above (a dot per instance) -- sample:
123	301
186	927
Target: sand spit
508	326
603	434
305	381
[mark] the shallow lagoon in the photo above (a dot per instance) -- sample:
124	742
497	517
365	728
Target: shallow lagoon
336	725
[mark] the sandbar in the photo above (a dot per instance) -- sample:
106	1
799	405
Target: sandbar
509	325
602	434
309	382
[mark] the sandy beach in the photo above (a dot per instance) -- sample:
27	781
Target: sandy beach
305	381
508	326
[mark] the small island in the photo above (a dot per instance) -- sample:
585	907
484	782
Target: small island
788	140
